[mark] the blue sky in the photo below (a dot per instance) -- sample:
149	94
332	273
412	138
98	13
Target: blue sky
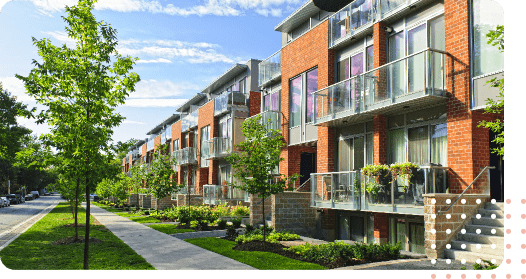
182	46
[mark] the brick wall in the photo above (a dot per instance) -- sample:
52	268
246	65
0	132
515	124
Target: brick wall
291	211
381	223
157	143
292	162
194	200
206	118
325	149
441	224
176	135
380	139
133	199
256	209
255	103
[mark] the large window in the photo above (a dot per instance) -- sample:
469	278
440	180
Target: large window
409	231
356	150
419	137
175	145
205	147
271	101
487	14
225	127
301	89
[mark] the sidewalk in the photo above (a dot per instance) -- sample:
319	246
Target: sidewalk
162	250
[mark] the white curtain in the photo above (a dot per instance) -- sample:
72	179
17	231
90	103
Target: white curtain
439	144
418	150
397	146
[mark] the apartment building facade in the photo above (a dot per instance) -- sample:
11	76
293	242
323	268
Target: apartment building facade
383	82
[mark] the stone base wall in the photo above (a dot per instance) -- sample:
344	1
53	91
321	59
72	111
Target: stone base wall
466	205
163	203
256	209
291	211
145	201
194	200
133	199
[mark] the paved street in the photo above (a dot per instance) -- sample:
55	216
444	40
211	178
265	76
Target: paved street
18	217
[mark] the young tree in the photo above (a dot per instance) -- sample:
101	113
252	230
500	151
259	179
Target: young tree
81	88
163	177
496	38
255	165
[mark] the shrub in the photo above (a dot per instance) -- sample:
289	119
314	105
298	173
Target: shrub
271	236
221	224
484	265
236	222
249	228
231	232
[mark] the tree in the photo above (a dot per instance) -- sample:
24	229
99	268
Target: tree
163	177
496	38
255	165
81	88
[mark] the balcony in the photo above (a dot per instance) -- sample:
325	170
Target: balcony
166	134
150	145
220	147
190	121
360	15
352	191
270	119
185	156
227	100
416	80
217	194
270	69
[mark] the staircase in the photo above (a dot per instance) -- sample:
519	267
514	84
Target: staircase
486	231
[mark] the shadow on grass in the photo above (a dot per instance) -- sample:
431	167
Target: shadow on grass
34	249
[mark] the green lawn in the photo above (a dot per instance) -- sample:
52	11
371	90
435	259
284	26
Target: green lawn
143	220
257	259
127	214
169	228
34	249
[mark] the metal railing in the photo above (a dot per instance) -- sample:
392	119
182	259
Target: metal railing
217	194
486	168
270	68
303	185
270	119
220	147
225	101
150	145
185	156
359	15
189	121
353	191
417	75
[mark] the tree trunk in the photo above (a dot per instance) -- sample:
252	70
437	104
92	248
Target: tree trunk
77	209
86	237
264	229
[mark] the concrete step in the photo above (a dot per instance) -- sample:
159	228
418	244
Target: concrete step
495	206
472	247
490	212
470	257
484	230
499	222
480	238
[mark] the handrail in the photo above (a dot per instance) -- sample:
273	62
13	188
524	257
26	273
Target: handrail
482	171
304	183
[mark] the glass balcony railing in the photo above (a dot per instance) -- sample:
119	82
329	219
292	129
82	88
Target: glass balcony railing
220	147
418	75
352	191
189	121
187	189
151	144
168	132
205	150
224	102
217	194
359	15
163	137
185	156
270	119
270	68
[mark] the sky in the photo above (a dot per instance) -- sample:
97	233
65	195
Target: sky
182	46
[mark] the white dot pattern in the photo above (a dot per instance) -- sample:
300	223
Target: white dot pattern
493	246
463	246
433	216
463	231
433	201
463	216
478	246
448	201
433	261
493	231
448	216
478	216
493	261
478	261
448	231
493	201
463	201
478	201
493	216
463	261
478	231
433	246
448	246
448	261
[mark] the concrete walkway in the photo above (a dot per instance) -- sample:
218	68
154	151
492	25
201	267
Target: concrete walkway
162	250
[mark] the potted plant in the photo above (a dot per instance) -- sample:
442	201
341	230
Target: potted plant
404	173
373	189
379	174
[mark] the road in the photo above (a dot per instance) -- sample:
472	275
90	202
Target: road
17	218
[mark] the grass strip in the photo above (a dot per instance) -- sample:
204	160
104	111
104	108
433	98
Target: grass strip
142	220
256	259
127	214
34	249
169	228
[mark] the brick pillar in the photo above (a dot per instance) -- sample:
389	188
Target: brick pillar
328	224
202	179
255	103
380	58
325	149
213	169
381	228
256	209
380	139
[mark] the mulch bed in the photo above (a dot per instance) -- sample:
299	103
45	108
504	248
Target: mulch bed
71	240
278	249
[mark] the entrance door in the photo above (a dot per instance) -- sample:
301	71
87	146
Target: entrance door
497	174
307	166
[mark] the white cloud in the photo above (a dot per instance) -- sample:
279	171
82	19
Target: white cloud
37	129
210	7
143	103
160	60
62	37
132	122
159	89
16	87
2	3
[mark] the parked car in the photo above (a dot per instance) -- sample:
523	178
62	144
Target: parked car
29	197
35	194
2	203
20	198
94	197
12	198
6	201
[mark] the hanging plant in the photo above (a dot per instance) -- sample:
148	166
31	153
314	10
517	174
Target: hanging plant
375	170
403	171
